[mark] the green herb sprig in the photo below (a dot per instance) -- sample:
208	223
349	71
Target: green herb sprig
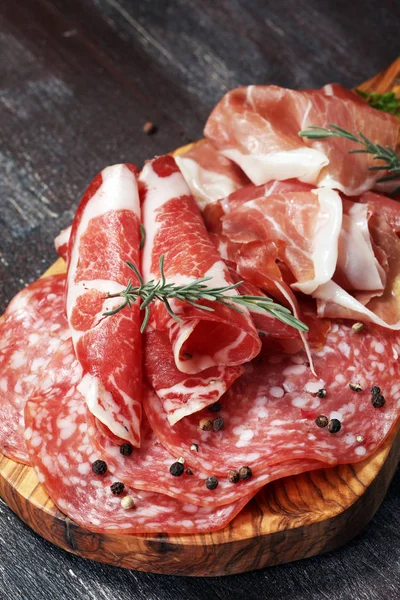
386	154
387	102
193	293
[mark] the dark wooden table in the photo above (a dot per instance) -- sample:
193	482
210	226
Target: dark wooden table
78	80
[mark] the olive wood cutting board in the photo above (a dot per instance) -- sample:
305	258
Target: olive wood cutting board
291	518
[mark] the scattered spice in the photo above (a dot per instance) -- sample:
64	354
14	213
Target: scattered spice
355	387
375	390
177	469
218	424
321	393
127	503
360	439
99	467
216	407
334	426
245	473
194	447
117	488
205	425
189	472
322	421
357	327
211	482
126	449
149	128
378	400
233	476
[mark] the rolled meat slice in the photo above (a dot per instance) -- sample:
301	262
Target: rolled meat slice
105	234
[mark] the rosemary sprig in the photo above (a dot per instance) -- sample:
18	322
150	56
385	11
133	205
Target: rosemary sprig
386	154
194	292
387	102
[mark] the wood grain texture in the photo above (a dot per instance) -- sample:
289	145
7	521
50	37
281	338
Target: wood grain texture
77	81
291	518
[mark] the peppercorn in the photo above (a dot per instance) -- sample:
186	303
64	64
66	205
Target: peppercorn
245	473
127	502
378	400
126	449
189	472
99	467
194	447
117	488
355	387
205	425
211	482
216	407
357	327
375	390
233	476
359	439
322	421
321	393
218	424
176	469
334	426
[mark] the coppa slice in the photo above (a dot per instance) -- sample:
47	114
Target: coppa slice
105	234
222	338
209	174
58	436
31	329
269	413
257	127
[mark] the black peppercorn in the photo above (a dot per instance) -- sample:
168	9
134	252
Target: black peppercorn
126	449
375	390
321	393
189	472
218	424
334	426
245	473
117	488
176	469
99	467
211	482
233	476
322	421
378	400
214	407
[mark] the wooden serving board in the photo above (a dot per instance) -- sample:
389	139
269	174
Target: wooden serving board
289	519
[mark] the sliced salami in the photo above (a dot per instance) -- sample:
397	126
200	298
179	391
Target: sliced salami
105	234
31	329
270	412
58	436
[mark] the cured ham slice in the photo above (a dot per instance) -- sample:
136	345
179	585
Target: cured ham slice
209	174
58	436
32	328
257	127
221	338
105	234
61	243
269	413
387	208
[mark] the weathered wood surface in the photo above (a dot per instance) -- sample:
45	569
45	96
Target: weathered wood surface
77	81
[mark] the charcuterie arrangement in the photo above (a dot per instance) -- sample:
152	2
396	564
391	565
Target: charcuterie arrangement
228	317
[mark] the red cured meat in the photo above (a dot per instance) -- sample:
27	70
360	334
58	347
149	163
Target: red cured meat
257	127
61	243
270	411
58	436
31	329
105	234
386	207
209	174
222	338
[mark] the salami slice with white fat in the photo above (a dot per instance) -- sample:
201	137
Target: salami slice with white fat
31	329
270	412
58	435
105	234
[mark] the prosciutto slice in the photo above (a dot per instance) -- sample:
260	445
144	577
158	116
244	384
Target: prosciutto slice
59	438
257	127
209	174
105	234
221	338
